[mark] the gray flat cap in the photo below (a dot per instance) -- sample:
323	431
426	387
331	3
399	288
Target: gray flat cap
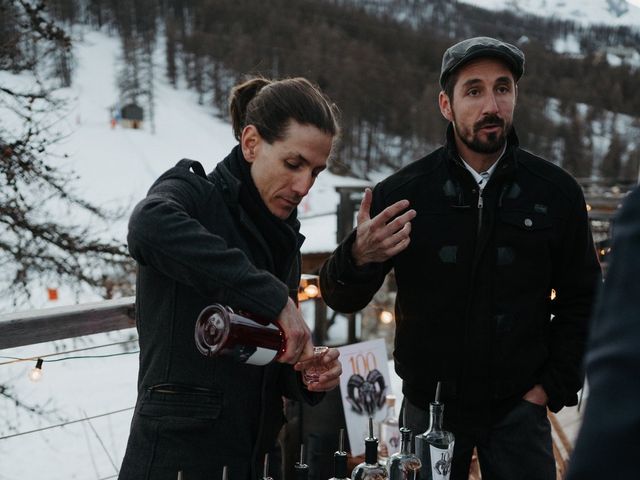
478	47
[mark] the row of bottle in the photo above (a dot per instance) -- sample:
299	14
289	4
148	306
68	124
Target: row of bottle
431	460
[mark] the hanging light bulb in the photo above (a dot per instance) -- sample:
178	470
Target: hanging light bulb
311	290
35	374
386	317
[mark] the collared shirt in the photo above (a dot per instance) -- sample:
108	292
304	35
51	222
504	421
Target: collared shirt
482	178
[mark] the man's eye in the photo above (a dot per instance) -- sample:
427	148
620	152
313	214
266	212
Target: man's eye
292	166
473	92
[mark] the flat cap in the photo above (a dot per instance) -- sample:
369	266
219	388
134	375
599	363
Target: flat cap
478	47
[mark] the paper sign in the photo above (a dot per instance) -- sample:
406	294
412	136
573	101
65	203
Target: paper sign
364	384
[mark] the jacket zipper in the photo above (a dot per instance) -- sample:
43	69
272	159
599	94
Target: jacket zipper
480	205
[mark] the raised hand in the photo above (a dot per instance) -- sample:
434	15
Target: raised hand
385	235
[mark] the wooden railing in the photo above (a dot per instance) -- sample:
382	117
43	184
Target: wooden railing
36	326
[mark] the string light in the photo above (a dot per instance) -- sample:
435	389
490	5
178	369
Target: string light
312	291
386	317
57	354
35	374
309	287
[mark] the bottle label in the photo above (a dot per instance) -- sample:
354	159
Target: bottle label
441	461
253	355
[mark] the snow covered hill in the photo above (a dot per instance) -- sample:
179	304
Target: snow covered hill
608	12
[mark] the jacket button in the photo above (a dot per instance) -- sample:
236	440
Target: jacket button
528	222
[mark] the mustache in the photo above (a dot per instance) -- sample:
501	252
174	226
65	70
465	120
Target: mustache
490	120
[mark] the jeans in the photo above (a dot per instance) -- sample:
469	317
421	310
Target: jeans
512	446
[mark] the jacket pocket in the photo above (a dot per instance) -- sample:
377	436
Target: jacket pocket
524	244
527	221
178	401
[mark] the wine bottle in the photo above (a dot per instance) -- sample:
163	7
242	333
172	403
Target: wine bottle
340	460
245	337
389	430
404	465
435	446
370	469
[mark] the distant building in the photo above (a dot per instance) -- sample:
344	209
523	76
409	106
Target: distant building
131	116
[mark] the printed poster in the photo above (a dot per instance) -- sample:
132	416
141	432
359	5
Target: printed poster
364	384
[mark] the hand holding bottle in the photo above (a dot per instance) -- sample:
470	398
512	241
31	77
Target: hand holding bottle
296	332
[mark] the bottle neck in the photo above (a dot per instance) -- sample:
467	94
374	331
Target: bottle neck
371	451
340	464
405	445
436	413
391	411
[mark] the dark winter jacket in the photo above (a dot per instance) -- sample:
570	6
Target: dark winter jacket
473	306
195	246
608	442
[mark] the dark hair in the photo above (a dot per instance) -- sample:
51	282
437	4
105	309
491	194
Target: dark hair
450	85
269	105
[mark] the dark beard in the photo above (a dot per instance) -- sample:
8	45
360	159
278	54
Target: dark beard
494	142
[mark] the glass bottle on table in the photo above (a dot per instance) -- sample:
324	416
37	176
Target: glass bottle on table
434	447
389	430
370	469
404	465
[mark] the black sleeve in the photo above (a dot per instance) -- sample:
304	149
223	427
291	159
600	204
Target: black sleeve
166	233
576	278
608	442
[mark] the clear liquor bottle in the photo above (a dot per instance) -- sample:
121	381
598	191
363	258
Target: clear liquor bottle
245	337
370	469
389	430
404	465
434	447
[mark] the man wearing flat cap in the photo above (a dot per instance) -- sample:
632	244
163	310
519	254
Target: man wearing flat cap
496	273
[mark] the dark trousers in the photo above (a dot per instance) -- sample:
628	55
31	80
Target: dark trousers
514	445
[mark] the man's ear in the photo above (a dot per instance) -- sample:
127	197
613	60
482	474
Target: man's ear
445	106
249	141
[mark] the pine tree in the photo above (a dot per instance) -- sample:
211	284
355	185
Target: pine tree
38	242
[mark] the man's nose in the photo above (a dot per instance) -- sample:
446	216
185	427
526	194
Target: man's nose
490	104
302	184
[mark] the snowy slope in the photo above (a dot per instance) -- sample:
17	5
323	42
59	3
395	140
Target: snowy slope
609	12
